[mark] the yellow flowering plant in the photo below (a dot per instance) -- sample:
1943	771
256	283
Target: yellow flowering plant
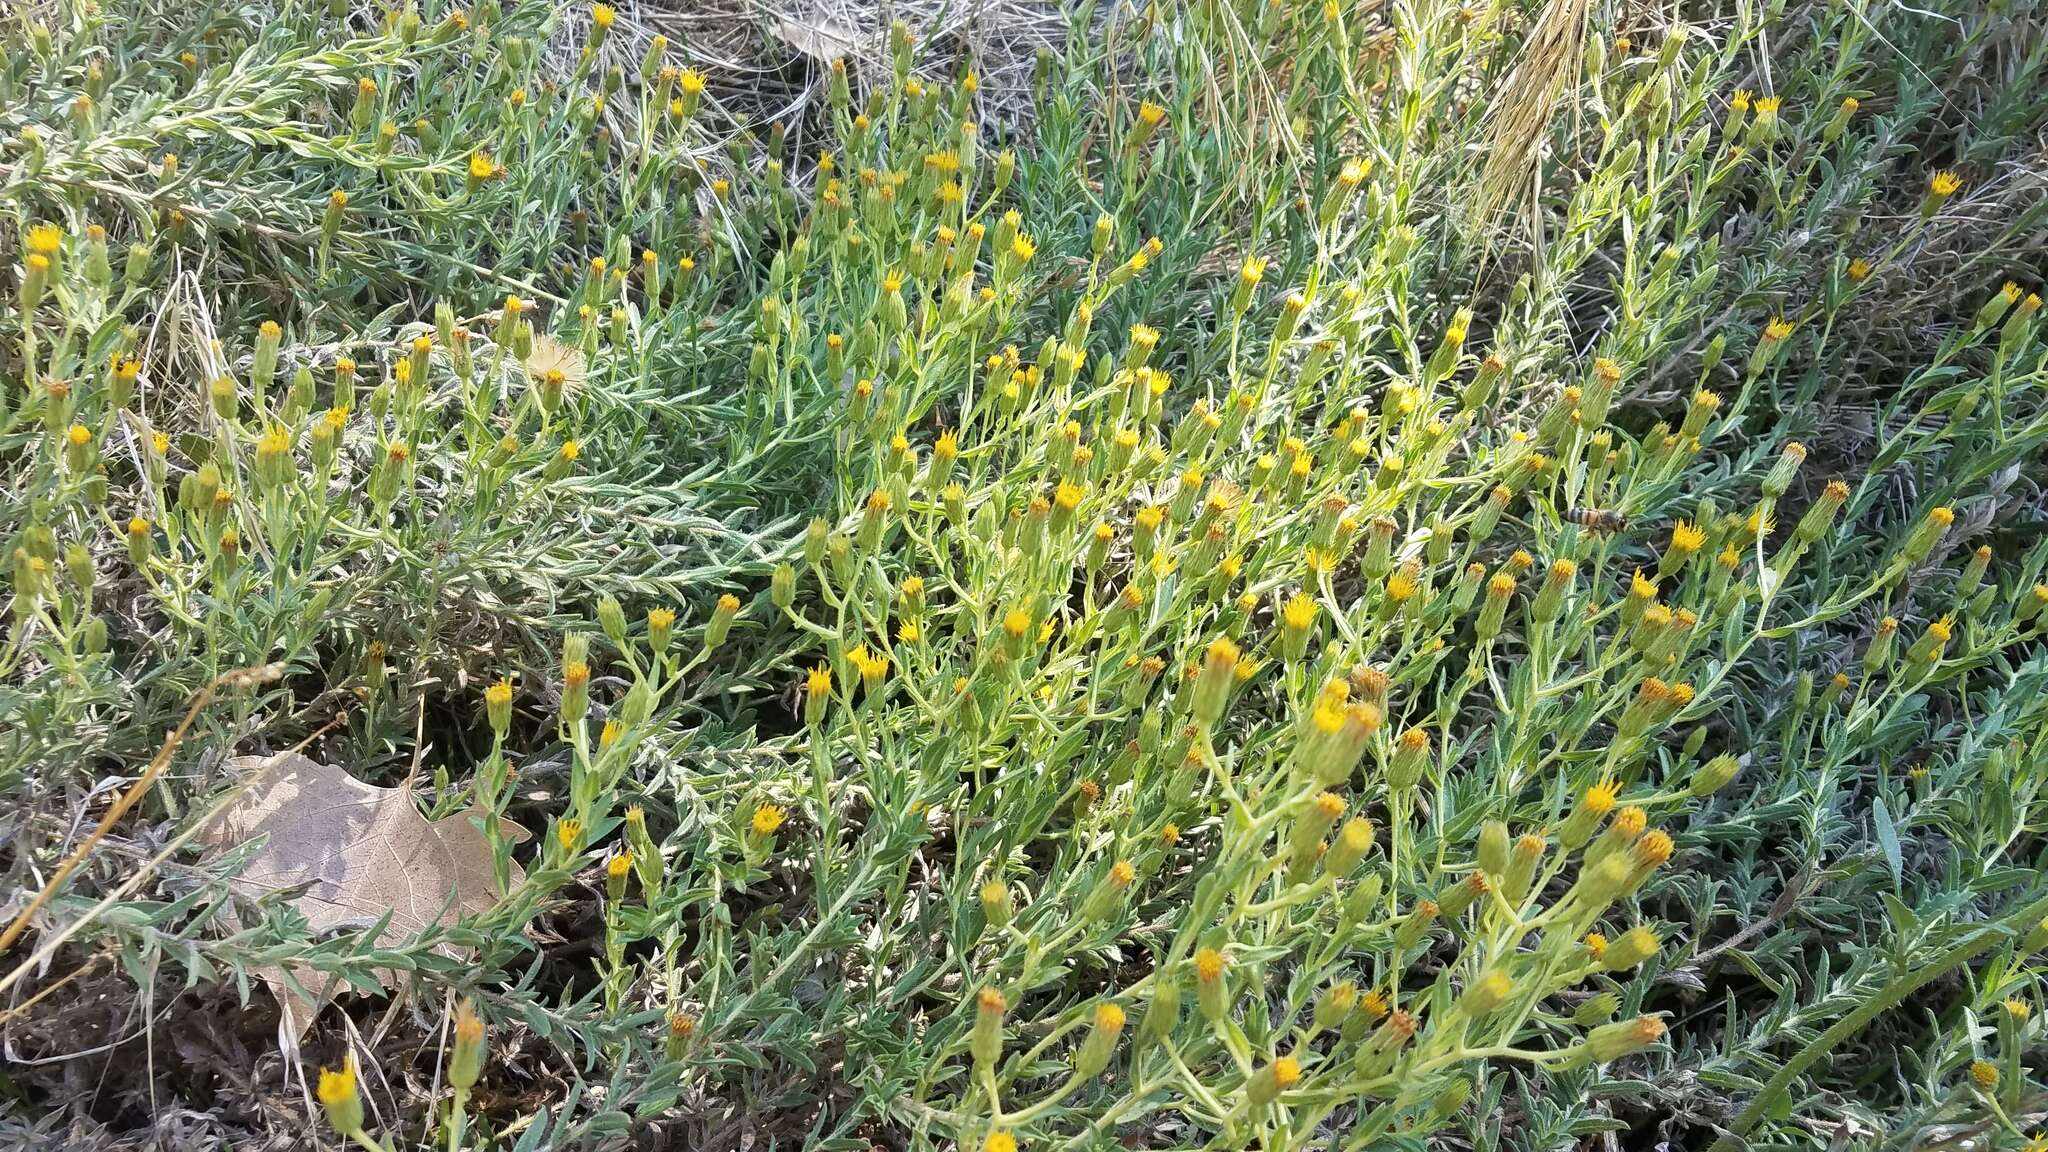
1257	581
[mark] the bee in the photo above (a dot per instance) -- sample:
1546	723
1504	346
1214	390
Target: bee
1597	519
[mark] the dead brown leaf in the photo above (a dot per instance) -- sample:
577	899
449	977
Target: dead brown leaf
358	851
818	36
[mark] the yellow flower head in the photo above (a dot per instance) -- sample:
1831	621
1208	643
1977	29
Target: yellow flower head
1944	183
767	818
1299	613
1600	798
337	1085
1653	849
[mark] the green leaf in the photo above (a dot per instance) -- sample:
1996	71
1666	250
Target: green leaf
1888	839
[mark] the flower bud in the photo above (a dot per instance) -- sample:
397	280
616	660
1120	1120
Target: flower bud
1266	1084
1523	862
1461	896
985	1041
1493	612
1100	1045
466	1063
1714	775
1928	533
1415	925
1493	848
1410	760
575	691
1212	686
612	618
498	707
1453	1097
1635	946
661	623
1211	991
1779	479
722	615
995	904
1334	1006
1613	1041
1107	899
1163	1013
1349	847
1486	994
1879	651
619	864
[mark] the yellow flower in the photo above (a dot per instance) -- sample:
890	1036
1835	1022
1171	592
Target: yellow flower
999	1142
1944	183
1686	539
337	1084
602	15
45	239
569	831
1778	329
337	1092
767	818
480	166
1600	797
1299	613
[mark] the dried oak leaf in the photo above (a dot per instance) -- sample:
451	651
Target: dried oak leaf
358	851
816	35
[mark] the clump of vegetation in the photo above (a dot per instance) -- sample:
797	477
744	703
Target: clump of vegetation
1361	576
